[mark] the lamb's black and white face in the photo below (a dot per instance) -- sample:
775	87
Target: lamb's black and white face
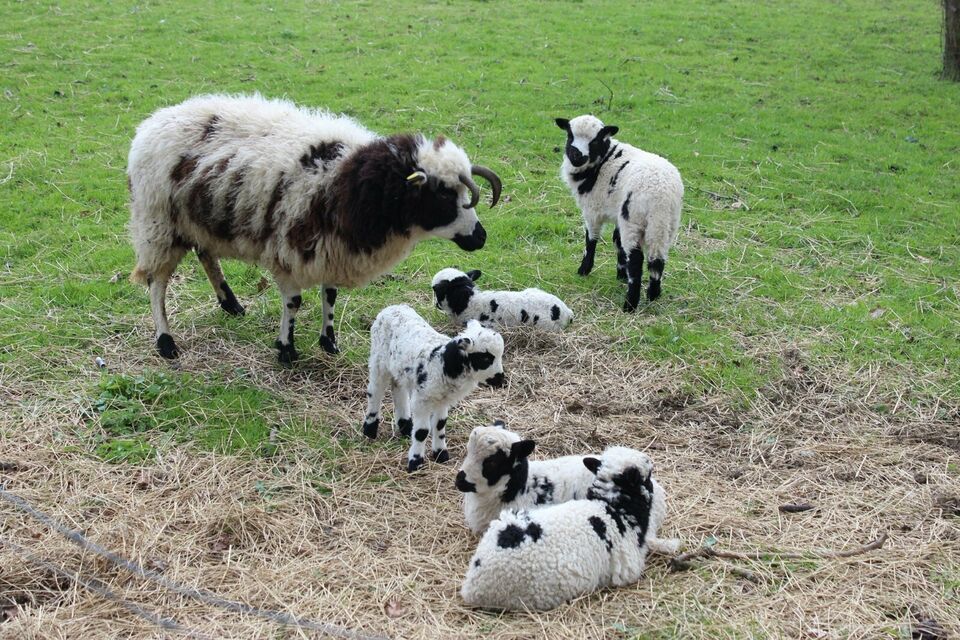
476	352
443	176
621	470
588	139
493	453
452	289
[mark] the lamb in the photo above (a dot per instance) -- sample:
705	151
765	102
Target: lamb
538	559
313	197
496	475
640	192
457	296
429	373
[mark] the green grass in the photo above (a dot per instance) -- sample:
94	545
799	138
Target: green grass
819	151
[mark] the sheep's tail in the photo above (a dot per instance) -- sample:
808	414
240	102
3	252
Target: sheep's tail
139	276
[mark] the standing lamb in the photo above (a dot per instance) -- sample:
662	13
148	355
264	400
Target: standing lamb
312	197
428	373
640	192
542	558
457	296
497	475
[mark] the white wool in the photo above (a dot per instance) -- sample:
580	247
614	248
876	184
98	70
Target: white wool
539	559
528	308
407	354
530	483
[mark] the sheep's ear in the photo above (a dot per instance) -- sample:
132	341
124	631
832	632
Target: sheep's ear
474	274
609	130
522	449
563	123
417	179
592	463
500	424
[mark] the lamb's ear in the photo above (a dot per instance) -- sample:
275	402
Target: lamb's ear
609	130
474	274
454	359
592	463
522	449
500	424
563	123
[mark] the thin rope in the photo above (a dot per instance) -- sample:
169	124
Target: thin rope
202	595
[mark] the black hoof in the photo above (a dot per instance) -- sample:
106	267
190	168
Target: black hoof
622	275
233	307
441	456
370	428
329	345
167	347
653	291
405	426
414	463
585	268
288	353
629	306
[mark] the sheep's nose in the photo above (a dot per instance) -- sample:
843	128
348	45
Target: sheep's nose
473	241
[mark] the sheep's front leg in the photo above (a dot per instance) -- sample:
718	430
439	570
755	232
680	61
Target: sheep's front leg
592	232
327	341
401	411
439	431
421	428
634	277
621	256
291	304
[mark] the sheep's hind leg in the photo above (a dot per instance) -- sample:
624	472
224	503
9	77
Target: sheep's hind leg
634	279
327	340
656	274
291	304
228	301
421	429
401	410
621	256
439	443
376	389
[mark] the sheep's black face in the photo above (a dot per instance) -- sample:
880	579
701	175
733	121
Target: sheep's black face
464	485
456	293
588	140
438	206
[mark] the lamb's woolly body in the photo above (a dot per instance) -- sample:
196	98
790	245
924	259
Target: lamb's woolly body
530	307
640	192
539	559
313	197
521	483
428	372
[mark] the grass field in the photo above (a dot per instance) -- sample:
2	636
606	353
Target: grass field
806	347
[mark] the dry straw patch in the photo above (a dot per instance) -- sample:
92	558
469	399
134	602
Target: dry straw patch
369	548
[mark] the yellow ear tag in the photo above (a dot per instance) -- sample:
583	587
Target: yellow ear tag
417	177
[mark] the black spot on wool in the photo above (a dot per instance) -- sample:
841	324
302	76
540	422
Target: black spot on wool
600	528
613	180
414	463
456	292
484	317
493	306
210	128
421	375
588	177
454	360
544	490
625	209
421	434
476	562
295	302
323	152
517	483
331	294
512	536
555	313
405	426
524	316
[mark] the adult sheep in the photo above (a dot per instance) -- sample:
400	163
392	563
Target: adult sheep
313	197
640	192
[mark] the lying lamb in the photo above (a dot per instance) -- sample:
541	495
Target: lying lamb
496	475
310	196
457	296
542	558
640	192
429	373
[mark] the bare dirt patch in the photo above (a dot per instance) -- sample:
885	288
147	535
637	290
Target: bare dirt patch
354	541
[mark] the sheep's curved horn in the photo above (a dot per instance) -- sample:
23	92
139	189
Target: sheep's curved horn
494	179
474	190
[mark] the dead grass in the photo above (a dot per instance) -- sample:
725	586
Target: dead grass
368	538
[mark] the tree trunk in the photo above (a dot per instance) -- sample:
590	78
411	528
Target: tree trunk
951	40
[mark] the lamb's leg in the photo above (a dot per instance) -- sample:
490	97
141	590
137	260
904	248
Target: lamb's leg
401	411
592	232
621	256
421	428
376	388
292	300
228	301
655	267
439	443
634	278
327	339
